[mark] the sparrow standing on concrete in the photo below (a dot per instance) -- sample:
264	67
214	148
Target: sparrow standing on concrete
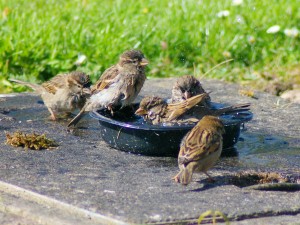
63	93
200	149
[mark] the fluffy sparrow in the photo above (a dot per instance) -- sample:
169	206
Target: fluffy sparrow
188	86
156	110
200	149
63	93
118	86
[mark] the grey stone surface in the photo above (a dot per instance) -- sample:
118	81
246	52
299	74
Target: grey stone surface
21	206
85	172
7	218
278	220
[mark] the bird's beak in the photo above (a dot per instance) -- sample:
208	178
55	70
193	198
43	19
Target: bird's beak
187	95
86	91
144	62
140	112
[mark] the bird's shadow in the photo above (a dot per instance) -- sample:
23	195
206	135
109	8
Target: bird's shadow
218	182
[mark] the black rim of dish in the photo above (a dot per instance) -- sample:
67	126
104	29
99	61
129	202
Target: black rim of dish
234	119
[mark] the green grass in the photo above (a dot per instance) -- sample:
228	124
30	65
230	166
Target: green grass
39	39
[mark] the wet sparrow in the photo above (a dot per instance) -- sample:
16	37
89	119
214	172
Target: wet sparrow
200	149
156	110
63	93
187	86
118	86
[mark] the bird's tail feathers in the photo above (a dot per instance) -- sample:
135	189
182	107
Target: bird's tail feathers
35	87
231	109
185	175
78	117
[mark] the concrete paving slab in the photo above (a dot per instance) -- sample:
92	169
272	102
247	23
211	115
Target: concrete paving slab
32	208
86	173
278	220
12	219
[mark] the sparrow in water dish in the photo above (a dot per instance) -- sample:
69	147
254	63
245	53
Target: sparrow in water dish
156	110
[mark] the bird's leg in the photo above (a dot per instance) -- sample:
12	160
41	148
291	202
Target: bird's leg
109	107
53	117
176	178
210	179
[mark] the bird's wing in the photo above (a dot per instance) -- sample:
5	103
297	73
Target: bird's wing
198	144
106	79
175	110
55	83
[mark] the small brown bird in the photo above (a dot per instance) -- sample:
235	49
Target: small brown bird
63	93
188	86
200	149
156	110
118	86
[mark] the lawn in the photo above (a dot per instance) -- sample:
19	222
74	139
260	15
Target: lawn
39	38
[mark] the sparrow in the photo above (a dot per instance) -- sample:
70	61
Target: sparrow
200	149
188	86
156	110
118	86
63	93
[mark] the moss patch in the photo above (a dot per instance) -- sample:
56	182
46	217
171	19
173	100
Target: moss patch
30	141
